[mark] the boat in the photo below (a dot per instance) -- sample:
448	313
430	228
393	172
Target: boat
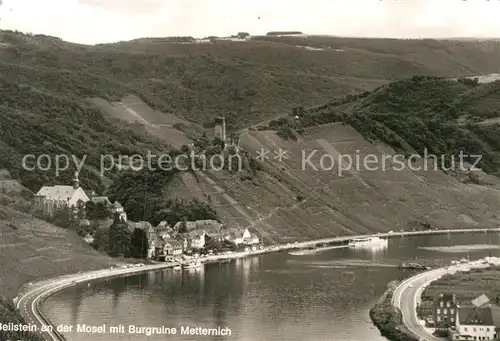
367	242
192	265
177	267
303	251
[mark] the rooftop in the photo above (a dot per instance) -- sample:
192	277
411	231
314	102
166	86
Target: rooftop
475	316
101	200
174	243
480	301
144	225
199	225
57	192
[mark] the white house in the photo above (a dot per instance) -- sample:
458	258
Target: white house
474	323
116	207
50	198
241	236
172	248
164	231
196	239
88	239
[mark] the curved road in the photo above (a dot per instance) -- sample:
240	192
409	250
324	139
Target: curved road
28	301
407	295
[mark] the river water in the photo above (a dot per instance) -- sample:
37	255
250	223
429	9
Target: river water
277	296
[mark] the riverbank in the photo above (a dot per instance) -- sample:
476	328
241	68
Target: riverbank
33	295
388	319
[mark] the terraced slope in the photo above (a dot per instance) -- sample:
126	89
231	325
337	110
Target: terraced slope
33	249
293	200
161	125
286	202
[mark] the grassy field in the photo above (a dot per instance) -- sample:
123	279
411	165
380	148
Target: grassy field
33	249
468	285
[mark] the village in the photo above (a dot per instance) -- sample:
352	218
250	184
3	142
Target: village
165	243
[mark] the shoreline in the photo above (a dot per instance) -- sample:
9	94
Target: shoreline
387	318
43	289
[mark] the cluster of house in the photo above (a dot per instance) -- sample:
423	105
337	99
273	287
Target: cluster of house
477	320
164	241
189	237
51	198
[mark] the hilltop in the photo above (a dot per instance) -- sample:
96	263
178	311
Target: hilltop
48	83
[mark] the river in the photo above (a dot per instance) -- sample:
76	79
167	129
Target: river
277	296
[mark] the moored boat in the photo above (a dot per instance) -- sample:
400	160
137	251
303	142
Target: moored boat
368	241
191	265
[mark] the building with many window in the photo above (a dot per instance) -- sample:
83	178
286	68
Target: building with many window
49	199
445	310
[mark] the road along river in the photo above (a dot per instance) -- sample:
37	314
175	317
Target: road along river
407	294
277	296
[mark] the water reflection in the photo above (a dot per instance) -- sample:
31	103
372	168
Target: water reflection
75	307
376	252
278	296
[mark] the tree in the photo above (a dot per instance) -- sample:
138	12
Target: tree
80	210
101	240
119	237
212	244
139	244
96	211
183	226
63	217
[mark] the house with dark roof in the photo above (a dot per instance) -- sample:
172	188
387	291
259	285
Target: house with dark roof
474	323
444	311
495	313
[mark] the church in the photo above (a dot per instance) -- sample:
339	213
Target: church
51	198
